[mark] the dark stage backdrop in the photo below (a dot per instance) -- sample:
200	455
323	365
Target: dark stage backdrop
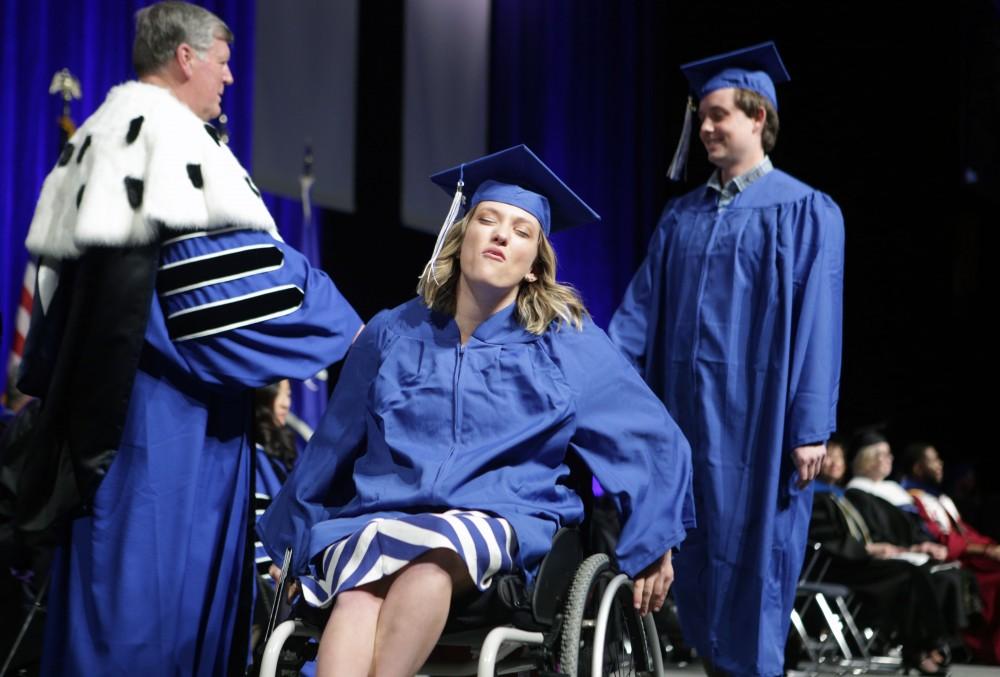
560	72
891	109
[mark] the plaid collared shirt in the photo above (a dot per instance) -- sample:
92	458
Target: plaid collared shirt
729	192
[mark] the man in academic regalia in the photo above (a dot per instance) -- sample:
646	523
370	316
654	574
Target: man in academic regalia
164	296
978	553
734	319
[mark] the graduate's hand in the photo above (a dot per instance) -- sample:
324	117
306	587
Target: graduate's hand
651	585
292	589
808	461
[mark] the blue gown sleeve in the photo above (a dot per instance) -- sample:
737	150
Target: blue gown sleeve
632	446
629	327
323	473
239	307
817	308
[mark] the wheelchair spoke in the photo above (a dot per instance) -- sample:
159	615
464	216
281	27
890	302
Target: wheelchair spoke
624	650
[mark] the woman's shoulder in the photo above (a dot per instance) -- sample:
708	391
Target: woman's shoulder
582	350
396	320
588	335
412	320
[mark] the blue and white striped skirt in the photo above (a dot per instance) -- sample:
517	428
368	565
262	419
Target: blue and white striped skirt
384	546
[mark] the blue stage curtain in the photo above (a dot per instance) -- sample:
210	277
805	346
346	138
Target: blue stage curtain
581	82
93	38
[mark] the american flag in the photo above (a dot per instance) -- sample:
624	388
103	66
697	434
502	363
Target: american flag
23	317
67	87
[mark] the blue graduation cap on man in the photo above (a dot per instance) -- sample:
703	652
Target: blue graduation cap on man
757	68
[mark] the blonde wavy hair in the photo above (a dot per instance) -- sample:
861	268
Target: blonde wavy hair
539	303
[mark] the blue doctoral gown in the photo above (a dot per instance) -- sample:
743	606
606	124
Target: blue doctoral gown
270	475
734	320
150	583
420	423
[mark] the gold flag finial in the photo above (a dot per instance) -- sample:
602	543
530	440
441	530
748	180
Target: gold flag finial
67	86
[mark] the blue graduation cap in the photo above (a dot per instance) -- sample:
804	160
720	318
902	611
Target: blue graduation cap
757	68
515	176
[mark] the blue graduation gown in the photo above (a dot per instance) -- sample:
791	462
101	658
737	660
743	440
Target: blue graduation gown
734	320
269	475
150	582
420	423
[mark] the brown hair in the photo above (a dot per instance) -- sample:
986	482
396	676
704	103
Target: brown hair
751	103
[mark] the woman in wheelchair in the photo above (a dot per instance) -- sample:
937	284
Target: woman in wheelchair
441	460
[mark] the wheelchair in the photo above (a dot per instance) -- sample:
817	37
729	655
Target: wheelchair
576	620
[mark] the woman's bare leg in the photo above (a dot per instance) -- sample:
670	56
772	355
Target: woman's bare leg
414	611
347	647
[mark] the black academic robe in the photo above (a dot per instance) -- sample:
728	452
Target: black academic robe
897	596
958	594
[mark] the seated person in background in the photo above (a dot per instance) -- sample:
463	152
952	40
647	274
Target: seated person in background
886	505
977	553
899	596
276	453
441	458
830	483
891	516
275	440
834	469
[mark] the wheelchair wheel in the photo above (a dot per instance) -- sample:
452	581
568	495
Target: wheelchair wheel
624	649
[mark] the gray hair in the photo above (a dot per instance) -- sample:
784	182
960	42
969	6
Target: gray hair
161	28
865	460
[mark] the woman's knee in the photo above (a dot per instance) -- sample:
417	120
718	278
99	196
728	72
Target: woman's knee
443	569
358	601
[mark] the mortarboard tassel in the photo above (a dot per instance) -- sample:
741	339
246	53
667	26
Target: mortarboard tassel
449	221
678	166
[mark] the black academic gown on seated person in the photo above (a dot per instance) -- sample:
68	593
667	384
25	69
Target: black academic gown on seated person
955	588
897	596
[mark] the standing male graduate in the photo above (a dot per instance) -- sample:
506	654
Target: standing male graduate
734	319
164	296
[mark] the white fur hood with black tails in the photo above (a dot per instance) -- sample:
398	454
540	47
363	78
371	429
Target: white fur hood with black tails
141	161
